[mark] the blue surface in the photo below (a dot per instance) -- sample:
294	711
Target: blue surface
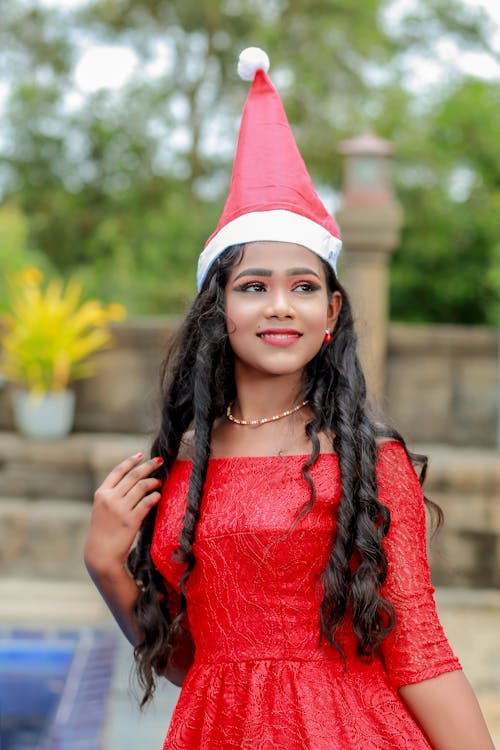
53	689
33	670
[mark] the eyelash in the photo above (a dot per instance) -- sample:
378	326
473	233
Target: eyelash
247	286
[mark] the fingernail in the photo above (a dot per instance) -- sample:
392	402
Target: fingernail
158	460
137	455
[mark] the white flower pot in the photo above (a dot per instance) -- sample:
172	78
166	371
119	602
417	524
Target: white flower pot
49	416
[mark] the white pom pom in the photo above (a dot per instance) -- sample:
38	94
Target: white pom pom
251	60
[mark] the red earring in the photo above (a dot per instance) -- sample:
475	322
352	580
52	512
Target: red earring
328	336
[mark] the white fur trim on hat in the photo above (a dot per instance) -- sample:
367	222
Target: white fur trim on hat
270	226
251	60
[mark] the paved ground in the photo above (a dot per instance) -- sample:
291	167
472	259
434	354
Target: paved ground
127	727
471	619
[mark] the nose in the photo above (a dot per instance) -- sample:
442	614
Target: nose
279	305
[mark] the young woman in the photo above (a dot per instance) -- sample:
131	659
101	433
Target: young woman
280	571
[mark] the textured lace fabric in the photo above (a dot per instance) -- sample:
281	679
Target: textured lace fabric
261	679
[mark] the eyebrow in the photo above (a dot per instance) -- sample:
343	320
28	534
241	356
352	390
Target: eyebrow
267	272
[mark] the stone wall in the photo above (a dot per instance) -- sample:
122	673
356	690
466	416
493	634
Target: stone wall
46	489
442	383
465	482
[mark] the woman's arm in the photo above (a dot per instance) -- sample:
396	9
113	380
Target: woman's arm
448	712
120	593
419	660
181	658
120	505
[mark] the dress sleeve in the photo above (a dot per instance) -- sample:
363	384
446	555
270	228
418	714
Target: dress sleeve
417	649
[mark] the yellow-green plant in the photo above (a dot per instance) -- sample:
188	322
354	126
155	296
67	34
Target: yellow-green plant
50	333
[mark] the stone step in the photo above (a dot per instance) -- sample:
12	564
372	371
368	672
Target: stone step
462	469
73	466
67	468
43	538
466	485
471	619
46	489
51	602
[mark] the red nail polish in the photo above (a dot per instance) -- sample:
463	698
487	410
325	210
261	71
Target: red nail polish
158	460
137	455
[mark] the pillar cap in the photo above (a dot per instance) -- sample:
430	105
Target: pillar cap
366	144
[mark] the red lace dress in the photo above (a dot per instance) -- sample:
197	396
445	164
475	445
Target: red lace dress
260	679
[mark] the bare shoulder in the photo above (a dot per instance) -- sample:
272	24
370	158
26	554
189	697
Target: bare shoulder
392	457
186	448
381	441
325	443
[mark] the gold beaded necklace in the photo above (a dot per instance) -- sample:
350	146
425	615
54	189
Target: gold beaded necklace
263	420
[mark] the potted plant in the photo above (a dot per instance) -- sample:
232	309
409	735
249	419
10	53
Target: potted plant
49	336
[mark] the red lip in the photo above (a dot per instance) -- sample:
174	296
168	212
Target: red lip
279	331
281	337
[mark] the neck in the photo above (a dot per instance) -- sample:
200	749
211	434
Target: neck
259	397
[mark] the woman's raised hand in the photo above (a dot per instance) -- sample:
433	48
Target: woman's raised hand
120	504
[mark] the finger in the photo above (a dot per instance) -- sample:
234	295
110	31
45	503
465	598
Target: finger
139	490
119	471
144	506
136	474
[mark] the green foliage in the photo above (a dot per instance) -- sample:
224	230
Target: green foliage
447	267
149	264
14	254
49	332
123	187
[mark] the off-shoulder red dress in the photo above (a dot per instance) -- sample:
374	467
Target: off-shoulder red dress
260	680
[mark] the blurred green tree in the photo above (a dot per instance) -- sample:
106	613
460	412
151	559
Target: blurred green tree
124	185
14	252
448	265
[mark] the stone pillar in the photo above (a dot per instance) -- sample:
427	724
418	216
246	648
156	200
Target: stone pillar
370	222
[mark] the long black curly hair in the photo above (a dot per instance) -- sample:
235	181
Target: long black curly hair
197	385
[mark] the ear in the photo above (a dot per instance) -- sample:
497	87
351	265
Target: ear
334	308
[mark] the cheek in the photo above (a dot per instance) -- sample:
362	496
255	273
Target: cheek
317	317
231	318
238	342
238	317
235	327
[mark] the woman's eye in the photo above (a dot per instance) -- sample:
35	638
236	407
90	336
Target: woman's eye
305	286
251	286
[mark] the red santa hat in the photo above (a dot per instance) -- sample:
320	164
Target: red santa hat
271	197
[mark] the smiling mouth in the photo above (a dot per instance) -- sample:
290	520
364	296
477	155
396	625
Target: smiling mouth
280	338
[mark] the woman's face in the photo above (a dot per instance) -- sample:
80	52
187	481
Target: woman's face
278	307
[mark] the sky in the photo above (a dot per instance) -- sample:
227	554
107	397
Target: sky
423	71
